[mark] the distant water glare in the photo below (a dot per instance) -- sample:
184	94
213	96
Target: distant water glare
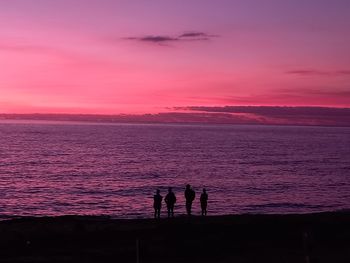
60	168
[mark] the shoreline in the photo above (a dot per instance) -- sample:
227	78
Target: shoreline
164	215
177	215
323	237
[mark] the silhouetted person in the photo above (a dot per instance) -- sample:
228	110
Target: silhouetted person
189	195
157	204
170	201
204	202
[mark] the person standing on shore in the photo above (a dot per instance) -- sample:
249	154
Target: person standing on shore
204	202
157	204
189	196
170	200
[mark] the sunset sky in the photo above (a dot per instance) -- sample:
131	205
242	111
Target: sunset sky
135	57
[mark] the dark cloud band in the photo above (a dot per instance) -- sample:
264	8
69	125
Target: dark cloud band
187	36
283	115
312	72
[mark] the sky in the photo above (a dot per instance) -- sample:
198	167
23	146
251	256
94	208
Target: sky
155	56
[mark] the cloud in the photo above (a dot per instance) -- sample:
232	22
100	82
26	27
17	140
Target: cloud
224	115
32	49
312	72
167	117
343	72
299	96
24	48
164	39
318	93
154	39
196	35
270	110
281	115
50	51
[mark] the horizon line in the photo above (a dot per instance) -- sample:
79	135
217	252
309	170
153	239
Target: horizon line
175	109
266	115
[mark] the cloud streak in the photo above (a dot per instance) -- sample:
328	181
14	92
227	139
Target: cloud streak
271	110
154	39
25	48
195	34
165	39
50	51
313	72
281	115
300	96
272	115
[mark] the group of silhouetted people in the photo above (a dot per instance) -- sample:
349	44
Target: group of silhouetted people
170	200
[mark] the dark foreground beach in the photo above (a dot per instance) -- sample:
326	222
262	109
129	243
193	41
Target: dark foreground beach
323	237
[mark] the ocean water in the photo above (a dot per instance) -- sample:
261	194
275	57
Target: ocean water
95	169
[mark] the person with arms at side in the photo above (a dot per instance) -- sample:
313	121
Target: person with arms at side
204	202
157	204
170	200
189	196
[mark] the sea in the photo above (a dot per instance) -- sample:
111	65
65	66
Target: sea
67	168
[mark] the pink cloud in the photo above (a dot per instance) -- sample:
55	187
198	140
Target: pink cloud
312	72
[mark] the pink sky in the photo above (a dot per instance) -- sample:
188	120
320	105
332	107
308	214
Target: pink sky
110	57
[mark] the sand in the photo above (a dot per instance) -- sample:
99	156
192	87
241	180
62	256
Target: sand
323	237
